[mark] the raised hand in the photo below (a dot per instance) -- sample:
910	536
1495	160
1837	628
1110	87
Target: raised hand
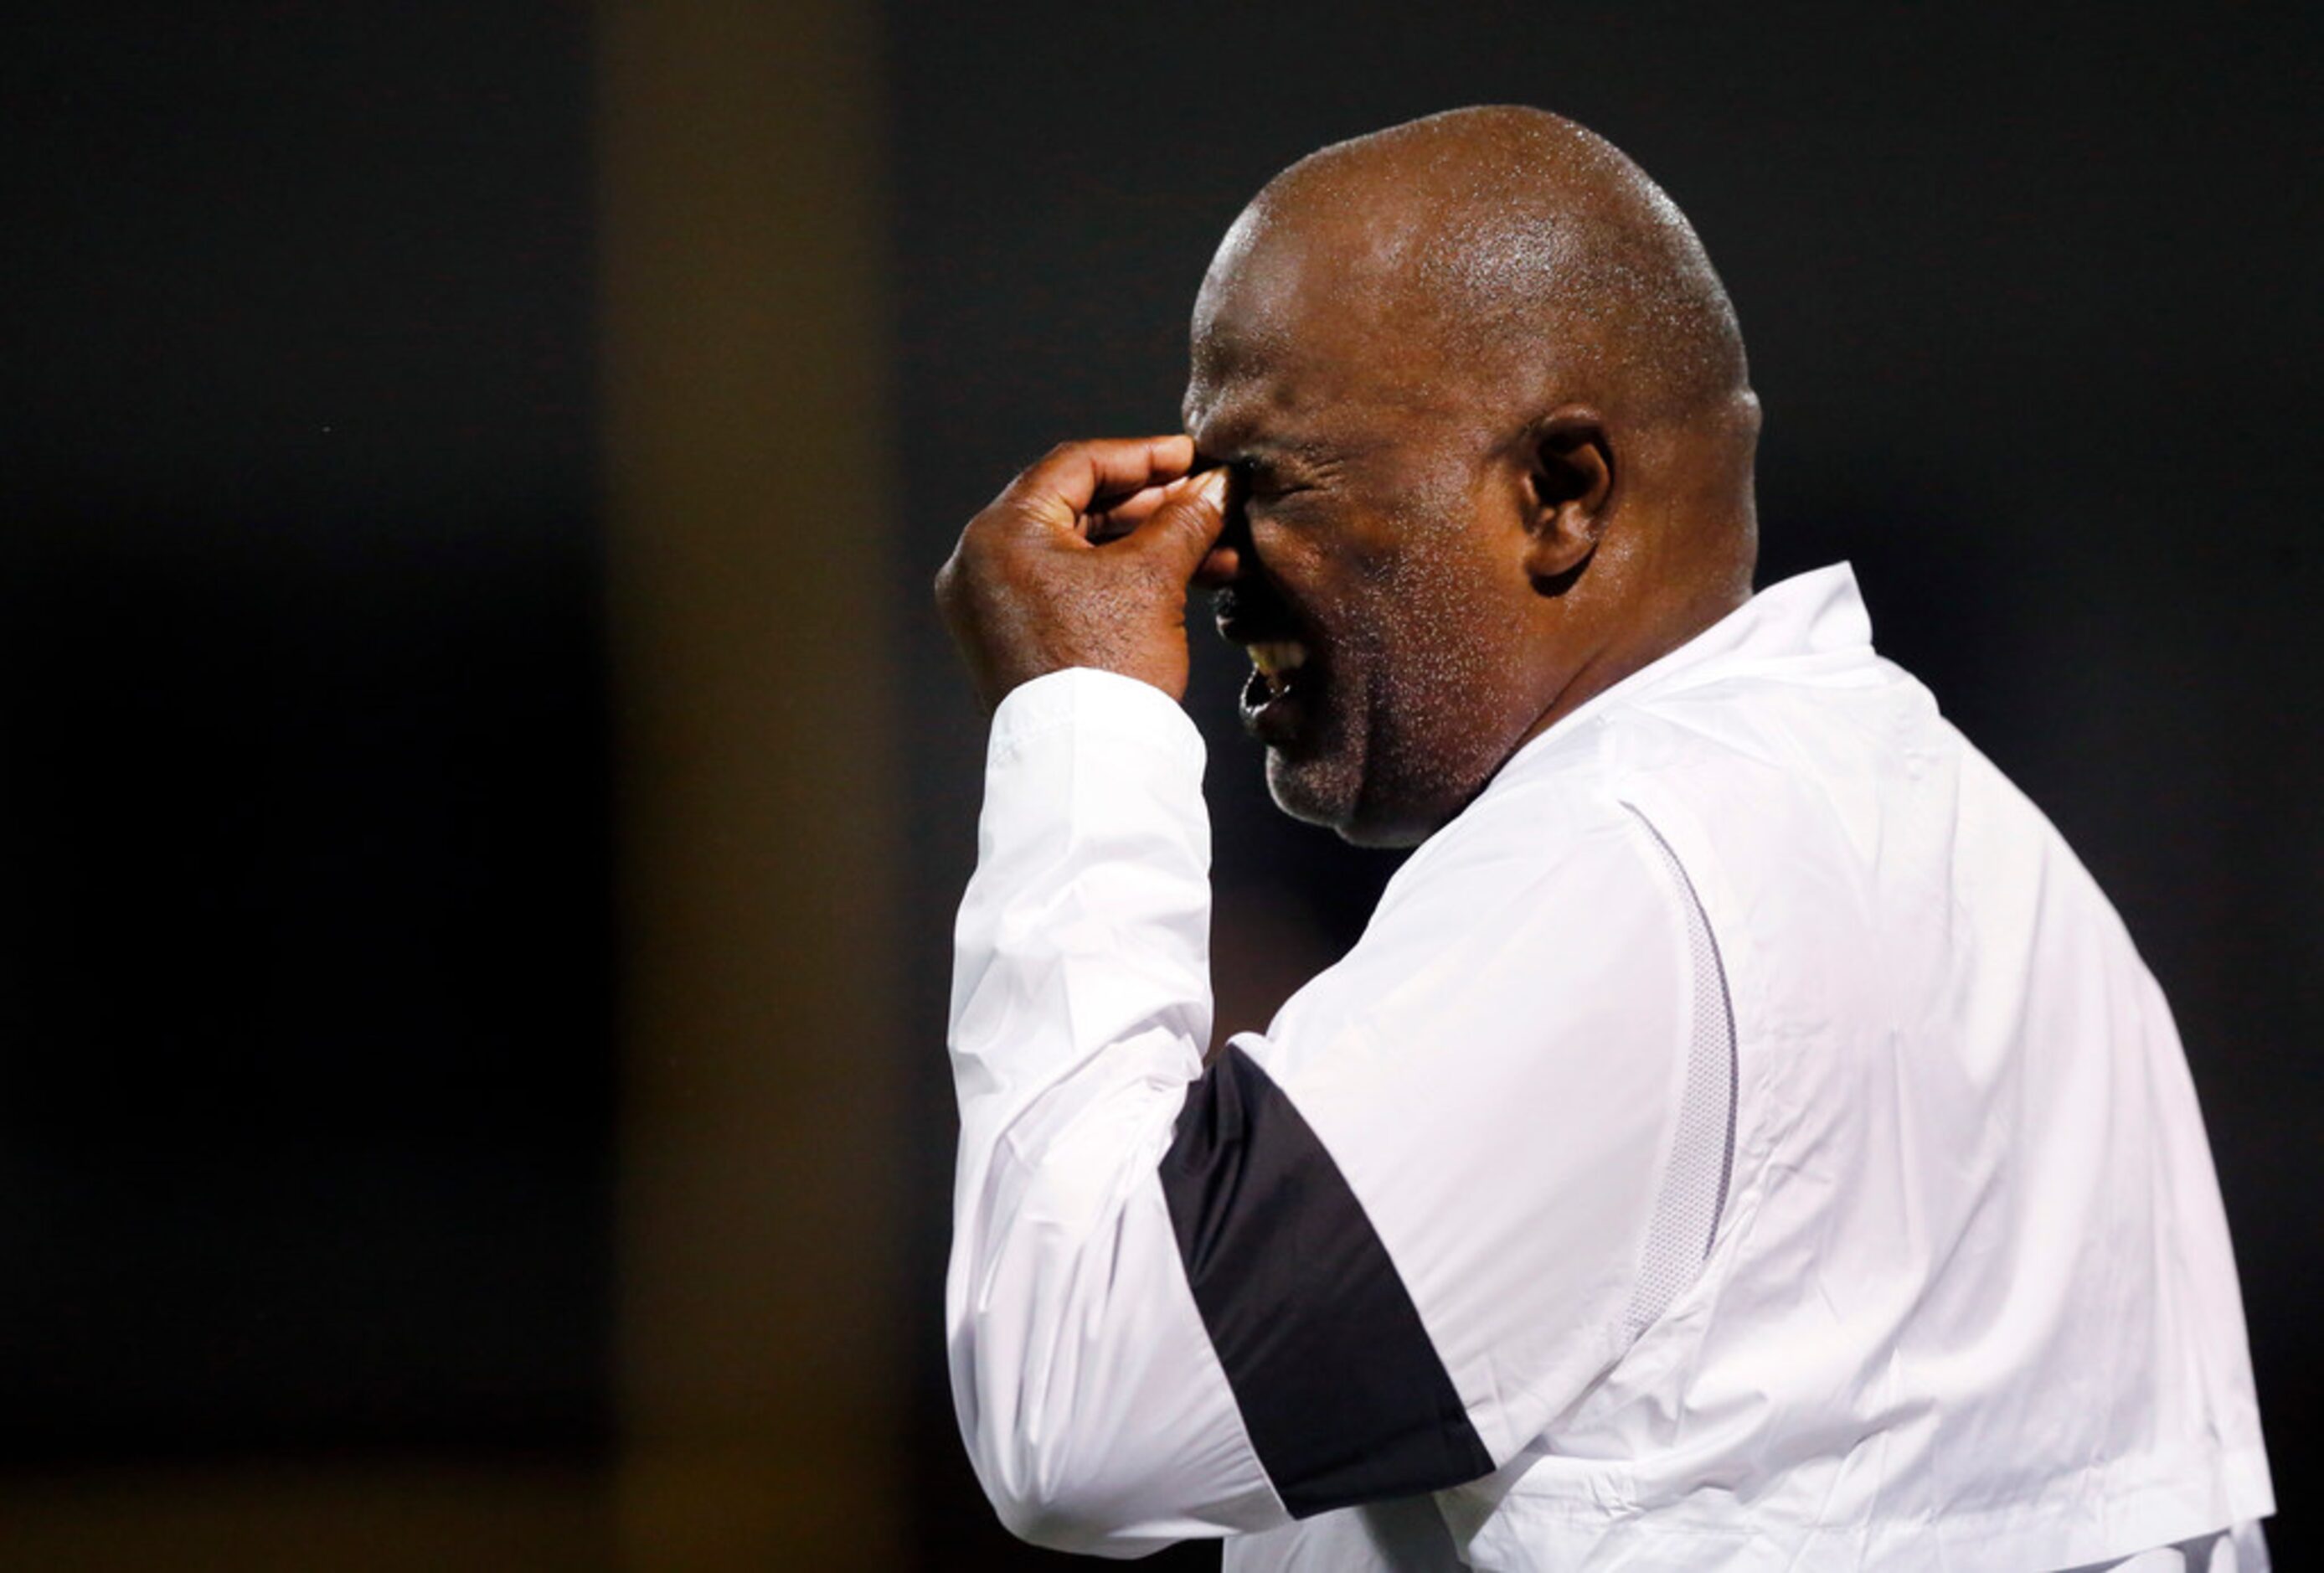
1084	560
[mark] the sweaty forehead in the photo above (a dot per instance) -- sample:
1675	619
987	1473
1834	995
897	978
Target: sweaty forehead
1494	258
1311	321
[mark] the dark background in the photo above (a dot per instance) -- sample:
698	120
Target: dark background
310	934
305	926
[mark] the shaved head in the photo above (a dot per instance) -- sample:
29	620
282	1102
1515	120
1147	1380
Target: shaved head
1489	407
1520	242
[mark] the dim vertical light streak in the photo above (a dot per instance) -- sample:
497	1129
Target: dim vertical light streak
748	533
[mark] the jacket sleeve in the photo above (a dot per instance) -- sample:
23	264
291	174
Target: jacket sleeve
1371	1253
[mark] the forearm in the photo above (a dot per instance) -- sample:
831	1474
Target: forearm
1087	1393
1087	921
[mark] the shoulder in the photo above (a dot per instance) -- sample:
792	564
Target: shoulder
1544	909
1539	848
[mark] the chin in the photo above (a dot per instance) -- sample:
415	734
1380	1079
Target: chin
1331	793
1310	791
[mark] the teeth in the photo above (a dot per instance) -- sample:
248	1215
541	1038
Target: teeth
1276	657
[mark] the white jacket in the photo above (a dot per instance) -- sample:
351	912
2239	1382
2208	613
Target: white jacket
1744	1138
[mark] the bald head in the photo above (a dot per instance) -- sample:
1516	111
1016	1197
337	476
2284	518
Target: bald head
1518	243
1491	404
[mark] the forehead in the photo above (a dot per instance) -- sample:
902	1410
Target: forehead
1306	337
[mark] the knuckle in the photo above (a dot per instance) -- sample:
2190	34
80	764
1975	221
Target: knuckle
983	536
971	561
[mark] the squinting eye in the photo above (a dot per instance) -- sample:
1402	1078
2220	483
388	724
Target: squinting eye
1267	487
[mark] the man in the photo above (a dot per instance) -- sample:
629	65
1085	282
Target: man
1743	1138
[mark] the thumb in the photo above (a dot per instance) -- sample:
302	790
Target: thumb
1183	530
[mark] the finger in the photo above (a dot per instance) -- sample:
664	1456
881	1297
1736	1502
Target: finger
1117	519
1073	475
1183	530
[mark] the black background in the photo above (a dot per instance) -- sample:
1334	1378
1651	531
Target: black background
308	1080
306	1063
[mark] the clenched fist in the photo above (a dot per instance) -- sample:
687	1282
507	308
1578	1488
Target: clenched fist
1084	560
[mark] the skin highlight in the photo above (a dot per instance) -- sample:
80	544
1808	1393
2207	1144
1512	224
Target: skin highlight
1490	431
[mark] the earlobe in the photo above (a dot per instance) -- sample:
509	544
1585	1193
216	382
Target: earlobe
1570	484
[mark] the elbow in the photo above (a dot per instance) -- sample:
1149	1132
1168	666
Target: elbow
1053	1523
1058	1512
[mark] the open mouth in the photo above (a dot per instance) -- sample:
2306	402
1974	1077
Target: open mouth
1275	695
1286	671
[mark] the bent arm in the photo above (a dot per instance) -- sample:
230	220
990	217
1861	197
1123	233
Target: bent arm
1095	1412
1370	1254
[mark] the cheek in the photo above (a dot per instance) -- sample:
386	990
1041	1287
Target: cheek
1443	667
1427	657
1438	601
1408	590
1315	553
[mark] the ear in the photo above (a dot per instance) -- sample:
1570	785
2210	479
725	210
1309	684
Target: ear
1569	492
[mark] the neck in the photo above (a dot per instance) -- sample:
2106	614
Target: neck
1636	644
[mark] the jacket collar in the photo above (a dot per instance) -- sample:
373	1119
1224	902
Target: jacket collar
1809	625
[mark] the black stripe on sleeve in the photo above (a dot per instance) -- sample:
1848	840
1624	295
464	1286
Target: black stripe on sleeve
1342	1392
